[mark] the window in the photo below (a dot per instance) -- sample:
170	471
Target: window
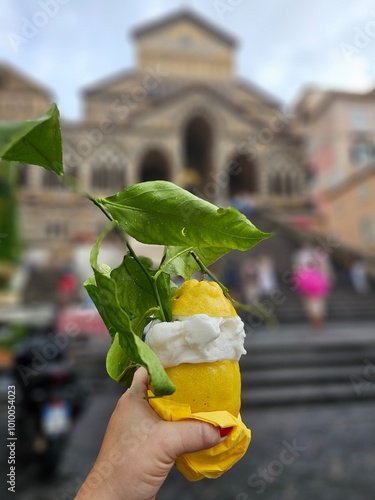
289	185
51	180
104	177
107	177
56	230
99	177
23	174
71	170
185	40
108	172
361	153
359	119
367	229
276	184
282	184
363	191
339	207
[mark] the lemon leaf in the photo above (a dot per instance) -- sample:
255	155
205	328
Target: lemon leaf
119	366
159	212
132	346
37	142
134	288
92	290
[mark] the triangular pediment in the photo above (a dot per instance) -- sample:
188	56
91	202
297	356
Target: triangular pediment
194	24
168	111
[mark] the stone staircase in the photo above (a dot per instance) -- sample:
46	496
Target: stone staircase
343	304
300	367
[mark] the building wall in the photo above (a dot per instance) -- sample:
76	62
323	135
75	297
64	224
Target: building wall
187	50
147	113
350	215
20	99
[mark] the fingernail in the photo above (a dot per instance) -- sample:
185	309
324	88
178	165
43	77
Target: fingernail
226	431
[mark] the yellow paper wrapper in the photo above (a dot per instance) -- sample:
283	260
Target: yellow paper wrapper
215	461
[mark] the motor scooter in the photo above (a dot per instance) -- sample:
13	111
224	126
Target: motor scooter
49	398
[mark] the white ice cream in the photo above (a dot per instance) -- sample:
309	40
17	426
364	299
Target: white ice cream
196	339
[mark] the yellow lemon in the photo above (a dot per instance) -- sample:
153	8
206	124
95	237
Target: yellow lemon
205	386
201	297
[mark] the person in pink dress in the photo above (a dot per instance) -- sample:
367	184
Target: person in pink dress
312	280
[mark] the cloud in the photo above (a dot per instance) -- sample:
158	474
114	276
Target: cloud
353	77
284	44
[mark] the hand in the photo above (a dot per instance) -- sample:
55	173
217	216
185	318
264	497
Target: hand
139	448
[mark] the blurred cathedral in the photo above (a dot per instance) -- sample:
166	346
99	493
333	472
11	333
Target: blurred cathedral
181	114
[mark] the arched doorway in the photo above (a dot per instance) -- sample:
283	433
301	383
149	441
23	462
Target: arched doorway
154	167
197	155
242	176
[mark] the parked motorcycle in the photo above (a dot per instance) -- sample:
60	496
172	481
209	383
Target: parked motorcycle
50	396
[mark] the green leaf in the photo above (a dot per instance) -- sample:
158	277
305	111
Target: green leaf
119	365
132	346
134	287
159	212
92	290
37	142
10	240
179	261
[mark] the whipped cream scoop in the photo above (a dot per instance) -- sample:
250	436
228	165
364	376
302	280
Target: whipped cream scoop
196	339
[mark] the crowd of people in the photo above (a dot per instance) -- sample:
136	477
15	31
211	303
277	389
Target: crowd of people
253	279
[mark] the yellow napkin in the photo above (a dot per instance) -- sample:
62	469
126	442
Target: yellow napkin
215	461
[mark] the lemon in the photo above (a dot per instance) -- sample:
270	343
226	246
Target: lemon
210	386
201	297
207	386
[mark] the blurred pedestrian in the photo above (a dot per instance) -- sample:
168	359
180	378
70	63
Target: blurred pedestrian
358	276
267	277
232	278
312	278
250	281
67	286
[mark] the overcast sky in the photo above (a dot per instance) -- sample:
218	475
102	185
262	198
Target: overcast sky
284	44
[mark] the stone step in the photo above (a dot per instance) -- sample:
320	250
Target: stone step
293	366
342	304
307	394
301	376
267	361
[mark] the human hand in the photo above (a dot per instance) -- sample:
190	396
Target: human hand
139	448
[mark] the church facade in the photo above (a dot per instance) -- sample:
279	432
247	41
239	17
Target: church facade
182	115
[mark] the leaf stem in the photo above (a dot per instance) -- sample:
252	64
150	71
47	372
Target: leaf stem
145	315
206	271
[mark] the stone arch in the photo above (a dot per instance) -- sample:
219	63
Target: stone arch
154	165
197	143
242	176
108	170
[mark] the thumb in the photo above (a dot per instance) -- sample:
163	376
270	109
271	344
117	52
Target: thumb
189	436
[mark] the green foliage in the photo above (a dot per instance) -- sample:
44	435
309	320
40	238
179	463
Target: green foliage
195	234
10	245
37	142
127	347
